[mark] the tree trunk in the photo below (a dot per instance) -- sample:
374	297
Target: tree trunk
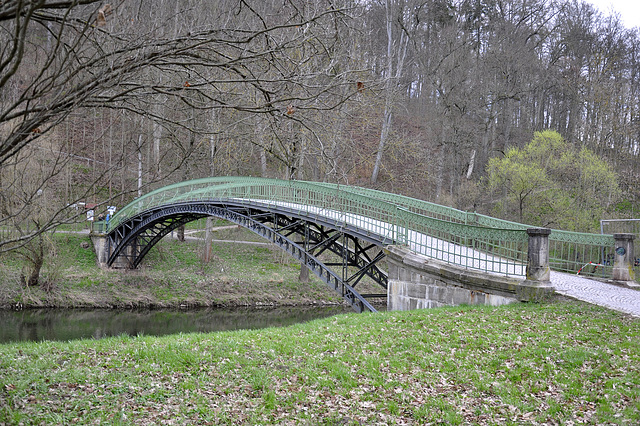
208	236
384	133
139	165
440	163
260	130
390	85
472	162
157	135
304	273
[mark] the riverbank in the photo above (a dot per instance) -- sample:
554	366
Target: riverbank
172	275
530	364
36	325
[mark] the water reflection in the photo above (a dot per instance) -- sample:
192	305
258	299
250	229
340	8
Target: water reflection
63	324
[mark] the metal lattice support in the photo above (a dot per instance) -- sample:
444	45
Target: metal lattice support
318	238
133	239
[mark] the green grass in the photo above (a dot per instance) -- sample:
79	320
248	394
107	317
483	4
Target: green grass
517	364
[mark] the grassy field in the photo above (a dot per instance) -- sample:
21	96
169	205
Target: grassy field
557	363
519	364
172	274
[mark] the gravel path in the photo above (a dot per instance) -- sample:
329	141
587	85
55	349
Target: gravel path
598	293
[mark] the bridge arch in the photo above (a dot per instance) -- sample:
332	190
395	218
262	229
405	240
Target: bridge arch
305	234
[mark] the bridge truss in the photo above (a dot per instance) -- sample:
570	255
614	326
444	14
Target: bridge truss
339	257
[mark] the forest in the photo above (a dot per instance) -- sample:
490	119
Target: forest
526	110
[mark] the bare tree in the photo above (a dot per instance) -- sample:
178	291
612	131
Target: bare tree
396	54
59	58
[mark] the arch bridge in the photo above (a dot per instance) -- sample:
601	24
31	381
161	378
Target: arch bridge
310	220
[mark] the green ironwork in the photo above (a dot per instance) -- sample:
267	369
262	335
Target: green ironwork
99	227
586	254
466	239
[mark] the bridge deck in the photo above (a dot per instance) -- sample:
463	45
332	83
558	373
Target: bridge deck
388	233
610	296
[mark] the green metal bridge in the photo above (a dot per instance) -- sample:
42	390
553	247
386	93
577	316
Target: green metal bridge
312	219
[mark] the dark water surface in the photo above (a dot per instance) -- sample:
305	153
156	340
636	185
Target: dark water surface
70	324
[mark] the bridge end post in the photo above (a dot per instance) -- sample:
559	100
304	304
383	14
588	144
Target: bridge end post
537	286
624	259
538	255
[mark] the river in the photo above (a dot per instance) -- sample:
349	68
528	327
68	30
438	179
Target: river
70	324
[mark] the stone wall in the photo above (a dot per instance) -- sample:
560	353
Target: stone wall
100	248
417	282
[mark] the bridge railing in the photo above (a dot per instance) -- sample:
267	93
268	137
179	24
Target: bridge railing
573	252
305	199
502	251
581	253
467	239
99	227
398	223
432	210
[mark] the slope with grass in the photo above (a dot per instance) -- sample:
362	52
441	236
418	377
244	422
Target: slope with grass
517	364
173	274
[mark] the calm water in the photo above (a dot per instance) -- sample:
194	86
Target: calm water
64	324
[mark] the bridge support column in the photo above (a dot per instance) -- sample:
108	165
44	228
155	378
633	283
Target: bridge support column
100	248
538	258
624	259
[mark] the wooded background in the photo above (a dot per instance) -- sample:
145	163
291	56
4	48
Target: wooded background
100	103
